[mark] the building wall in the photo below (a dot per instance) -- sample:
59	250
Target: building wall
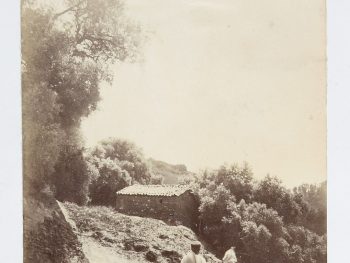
188	209
174	210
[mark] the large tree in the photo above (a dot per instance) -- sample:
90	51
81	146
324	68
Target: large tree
67	50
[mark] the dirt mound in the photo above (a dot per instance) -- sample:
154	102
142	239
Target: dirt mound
129	238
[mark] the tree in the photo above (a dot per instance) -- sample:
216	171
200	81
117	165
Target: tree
238	179
313	247
41	138
42	133
213	210
115	164
214	205
127	156
256	224
65	57
271	192
109	180
314	200
256	240
218	191
262	215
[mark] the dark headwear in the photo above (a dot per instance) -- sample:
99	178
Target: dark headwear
195	247
196	244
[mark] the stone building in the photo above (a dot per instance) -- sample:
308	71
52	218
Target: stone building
174	204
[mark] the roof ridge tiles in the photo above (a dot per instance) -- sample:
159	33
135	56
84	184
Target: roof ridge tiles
154	190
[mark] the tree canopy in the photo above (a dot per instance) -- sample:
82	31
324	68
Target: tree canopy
115	163
266	222
67	50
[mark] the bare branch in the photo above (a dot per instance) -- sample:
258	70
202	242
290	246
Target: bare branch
67	10
72	8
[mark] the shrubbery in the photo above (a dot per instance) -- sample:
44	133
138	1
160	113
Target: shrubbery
113	165
267	223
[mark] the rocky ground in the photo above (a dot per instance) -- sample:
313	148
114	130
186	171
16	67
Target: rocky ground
107	236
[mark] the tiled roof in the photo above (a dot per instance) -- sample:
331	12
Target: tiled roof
153	190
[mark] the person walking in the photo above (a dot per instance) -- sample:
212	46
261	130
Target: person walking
230	256
193	256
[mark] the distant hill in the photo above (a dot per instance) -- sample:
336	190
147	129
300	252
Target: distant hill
171	173
109	237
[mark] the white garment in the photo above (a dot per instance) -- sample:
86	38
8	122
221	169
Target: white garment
192	258
230	256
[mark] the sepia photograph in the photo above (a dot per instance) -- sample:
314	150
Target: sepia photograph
187	131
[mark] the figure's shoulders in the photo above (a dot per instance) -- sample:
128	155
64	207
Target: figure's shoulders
186	258
202	259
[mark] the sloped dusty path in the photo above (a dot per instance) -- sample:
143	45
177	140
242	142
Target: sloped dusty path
96	253
108	236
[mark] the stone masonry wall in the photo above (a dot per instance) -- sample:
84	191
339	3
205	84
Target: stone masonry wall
173	210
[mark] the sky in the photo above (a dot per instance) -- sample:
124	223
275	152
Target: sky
224	82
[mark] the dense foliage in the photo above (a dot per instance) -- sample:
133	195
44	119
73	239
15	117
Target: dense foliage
66	51
316	205
265	221
114	164
70	179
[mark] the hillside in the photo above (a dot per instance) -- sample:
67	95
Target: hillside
171	173
108	236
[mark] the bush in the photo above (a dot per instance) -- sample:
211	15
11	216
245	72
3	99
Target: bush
268	228
111	178
113	165
127	156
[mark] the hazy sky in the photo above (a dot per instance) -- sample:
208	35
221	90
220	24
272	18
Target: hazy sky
224	82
